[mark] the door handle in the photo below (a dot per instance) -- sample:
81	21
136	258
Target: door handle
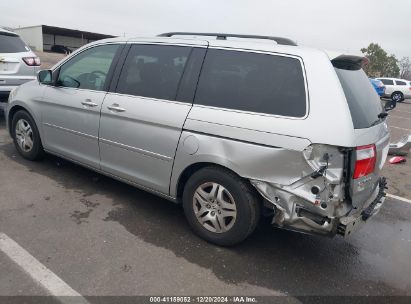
89	103
115	108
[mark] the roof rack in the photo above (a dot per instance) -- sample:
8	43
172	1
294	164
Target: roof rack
223	36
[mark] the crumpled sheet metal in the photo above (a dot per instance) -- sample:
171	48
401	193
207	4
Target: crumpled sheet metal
402	147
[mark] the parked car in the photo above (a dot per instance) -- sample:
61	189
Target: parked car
225	127
61	49
378	86
397	89
18	64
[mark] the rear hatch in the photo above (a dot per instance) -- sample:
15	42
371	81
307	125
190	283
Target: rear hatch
368	156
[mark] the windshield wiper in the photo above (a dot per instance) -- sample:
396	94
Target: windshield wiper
381	117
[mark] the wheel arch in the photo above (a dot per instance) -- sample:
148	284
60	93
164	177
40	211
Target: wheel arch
190	170
12	111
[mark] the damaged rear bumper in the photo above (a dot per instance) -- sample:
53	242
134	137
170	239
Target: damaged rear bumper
294	212
349	224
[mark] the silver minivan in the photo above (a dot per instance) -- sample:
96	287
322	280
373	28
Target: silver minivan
18	64
232	128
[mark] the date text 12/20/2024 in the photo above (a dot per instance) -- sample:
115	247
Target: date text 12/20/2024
203	299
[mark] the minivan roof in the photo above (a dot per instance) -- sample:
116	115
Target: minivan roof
238	43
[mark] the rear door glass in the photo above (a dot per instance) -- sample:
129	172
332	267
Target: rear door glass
153	71
363	101
252	82
12	44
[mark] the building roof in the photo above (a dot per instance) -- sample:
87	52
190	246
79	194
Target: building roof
54	30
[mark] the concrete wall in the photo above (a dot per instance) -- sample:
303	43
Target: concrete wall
33	36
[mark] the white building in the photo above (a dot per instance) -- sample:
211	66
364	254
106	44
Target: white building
43	37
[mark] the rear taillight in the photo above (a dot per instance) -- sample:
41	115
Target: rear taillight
32	61
366	157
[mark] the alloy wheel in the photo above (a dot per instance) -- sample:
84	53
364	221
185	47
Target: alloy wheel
24	135
214	207
396	97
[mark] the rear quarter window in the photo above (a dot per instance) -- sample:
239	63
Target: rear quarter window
252	82
10	43
401	83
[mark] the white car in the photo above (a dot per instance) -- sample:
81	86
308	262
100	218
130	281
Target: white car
396	89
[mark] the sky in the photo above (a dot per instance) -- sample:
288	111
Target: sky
339	25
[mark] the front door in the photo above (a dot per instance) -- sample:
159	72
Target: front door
71	108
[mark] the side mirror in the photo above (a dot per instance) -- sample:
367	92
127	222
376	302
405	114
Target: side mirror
45	77
390	105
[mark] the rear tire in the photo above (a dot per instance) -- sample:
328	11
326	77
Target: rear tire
26	136
220	206
397	96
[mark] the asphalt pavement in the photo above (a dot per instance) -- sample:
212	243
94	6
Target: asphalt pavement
104	238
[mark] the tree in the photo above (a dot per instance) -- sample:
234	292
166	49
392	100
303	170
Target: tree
391	68
380	63
405	67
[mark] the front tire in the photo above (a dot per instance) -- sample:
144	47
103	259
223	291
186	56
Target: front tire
220	206
26	136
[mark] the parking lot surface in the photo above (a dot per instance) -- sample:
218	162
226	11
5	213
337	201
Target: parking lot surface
102	237
399	176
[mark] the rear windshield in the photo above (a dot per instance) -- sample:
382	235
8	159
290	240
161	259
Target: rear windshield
12	44
363	101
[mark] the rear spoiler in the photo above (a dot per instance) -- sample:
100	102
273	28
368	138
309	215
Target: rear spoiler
348	62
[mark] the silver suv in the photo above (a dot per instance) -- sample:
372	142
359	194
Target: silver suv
229	128
18	64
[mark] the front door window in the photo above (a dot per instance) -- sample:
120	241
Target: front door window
88	70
